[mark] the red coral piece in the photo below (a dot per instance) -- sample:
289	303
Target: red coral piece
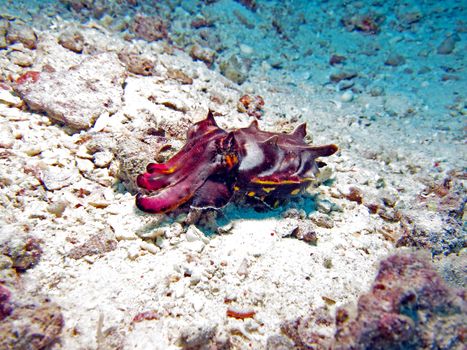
29	76
240	314
146	316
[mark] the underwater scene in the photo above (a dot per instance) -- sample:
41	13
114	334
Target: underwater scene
233	174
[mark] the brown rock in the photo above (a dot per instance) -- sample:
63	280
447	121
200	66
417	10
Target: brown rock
72	40
202	54
234	69
448	45
23	34
180	76
394	60
343	75
137	64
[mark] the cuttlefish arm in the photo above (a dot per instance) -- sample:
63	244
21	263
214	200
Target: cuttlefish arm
215	155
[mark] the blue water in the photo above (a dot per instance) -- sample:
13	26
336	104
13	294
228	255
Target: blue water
298	38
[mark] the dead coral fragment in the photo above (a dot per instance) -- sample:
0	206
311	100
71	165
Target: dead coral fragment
448	198
354	194
312	332
409	307
235	69
180	76
79	95
32	327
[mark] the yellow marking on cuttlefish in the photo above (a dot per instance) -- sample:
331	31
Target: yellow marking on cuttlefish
268	189
169	170
295	192
231	160
281	182
177	204
250	194
236	188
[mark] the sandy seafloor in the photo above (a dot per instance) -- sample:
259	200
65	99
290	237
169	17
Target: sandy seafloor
393	100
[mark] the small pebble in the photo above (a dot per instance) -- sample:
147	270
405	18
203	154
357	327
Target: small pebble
343	75
246	50
347	96
133	251
21	59
57	208
376	91
345	84
151	248
103	159
202	54
72	40
195	277
7	98
448	45
7	139
321	220
394	60
198	304
84	165
324	206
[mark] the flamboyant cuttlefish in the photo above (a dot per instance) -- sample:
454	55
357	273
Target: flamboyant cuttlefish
215	166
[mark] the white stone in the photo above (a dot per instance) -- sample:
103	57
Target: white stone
246	50
150	247
347	96
6	136
198	304
133	251
7	98
84	165
103	159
